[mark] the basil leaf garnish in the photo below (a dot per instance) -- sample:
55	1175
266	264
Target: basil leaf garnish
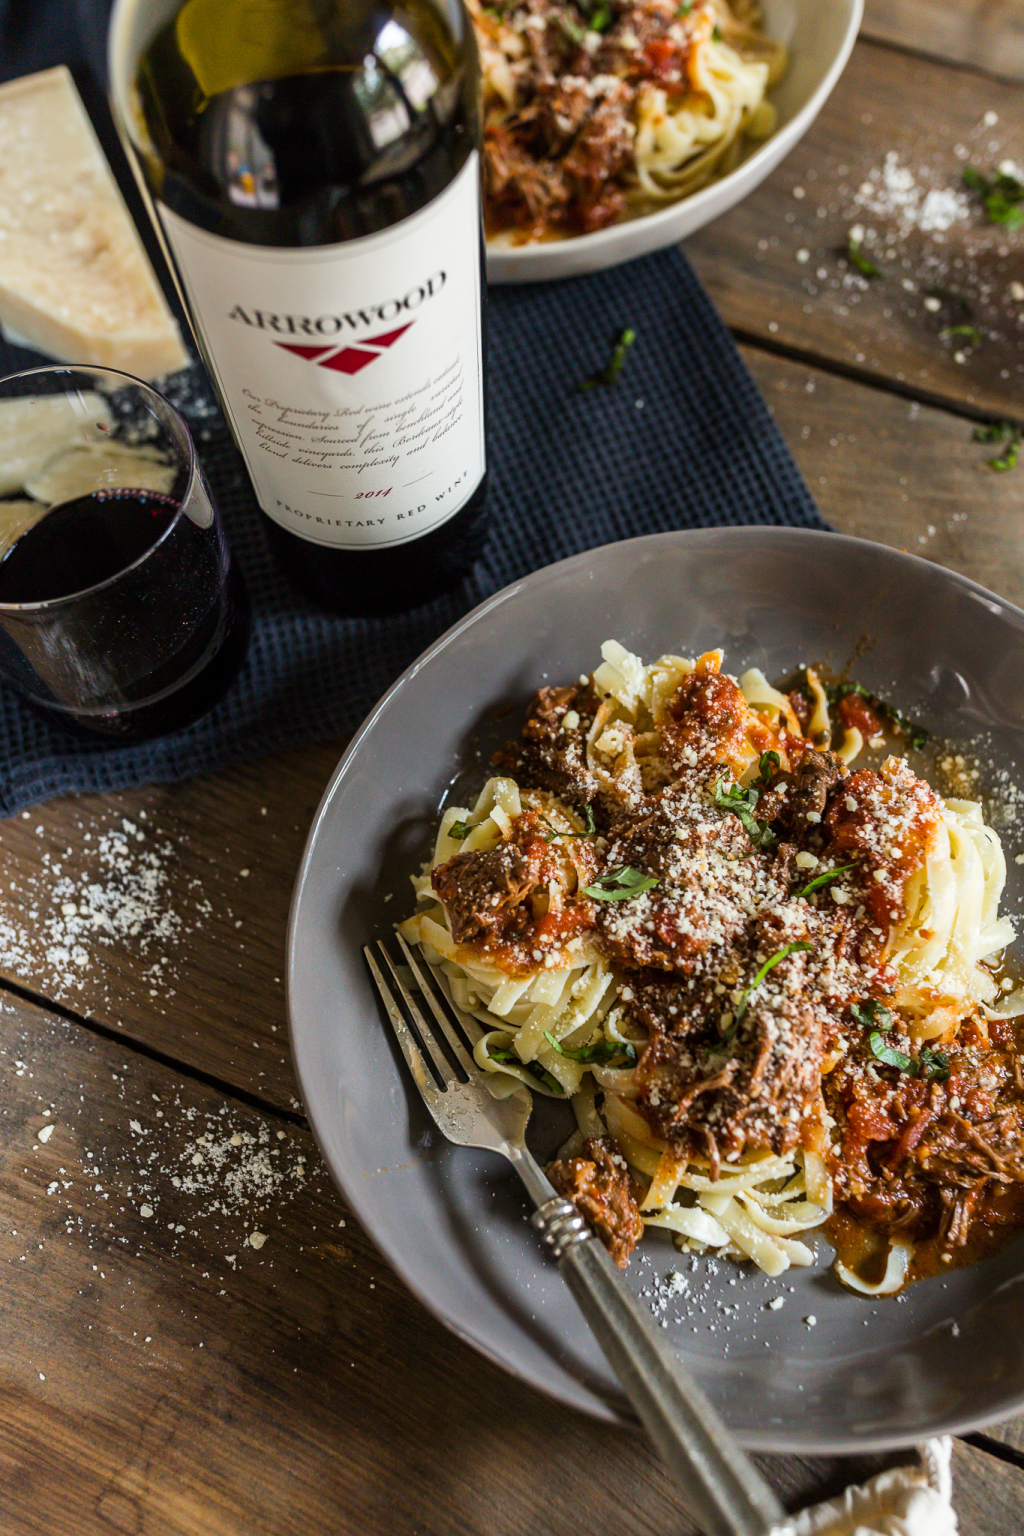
889	1054
825	879
916	735
597	1053
768	765
1002	196
620	884
872	1014
769	965
610	374
934	1065
553	834
459	830
534	1068
854	254
743	803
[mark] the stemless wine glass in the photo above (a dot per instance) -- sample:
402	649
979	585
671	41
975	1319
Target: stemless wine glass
121	609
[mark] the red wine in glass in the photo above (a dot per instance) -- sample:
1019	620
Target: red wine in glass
121	610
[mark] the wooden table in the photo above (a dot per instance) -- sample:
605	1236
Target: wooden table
196	1336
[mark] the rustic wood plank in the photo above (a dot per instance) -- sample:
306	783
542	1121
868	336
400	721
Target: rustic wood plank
178	1378
161	1374
985	33
195	987
161	912
988	1494
773	265
900	473
1011	1434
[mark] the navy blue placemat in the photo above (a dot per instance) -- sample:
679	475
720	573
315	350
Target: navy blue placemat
683	440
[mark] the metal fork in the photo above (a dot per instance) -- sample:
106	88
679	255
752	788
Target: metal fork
722	1488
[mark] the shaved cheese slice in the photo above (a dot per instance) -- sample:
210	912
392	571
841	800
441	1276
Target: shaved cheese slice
692	1222
75	281
896	1268
33	430
101	466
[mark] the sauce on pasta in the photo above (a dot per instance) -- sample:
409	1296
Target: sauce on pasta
762	976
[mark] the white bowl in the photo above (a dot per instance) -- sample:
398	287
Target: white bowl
819	35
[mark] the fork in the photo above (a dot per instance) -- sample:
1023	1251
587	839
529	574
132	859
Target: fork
723	1490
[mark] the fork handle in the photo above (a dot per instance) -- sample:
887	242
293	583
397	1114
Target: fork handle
723	1490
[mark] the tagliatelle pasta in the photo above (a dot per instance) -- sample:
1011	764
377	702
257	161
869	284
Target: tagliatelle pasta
761	976
595	110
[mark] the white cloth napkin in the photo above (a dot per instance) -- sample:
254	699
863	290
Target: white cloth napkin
905	1501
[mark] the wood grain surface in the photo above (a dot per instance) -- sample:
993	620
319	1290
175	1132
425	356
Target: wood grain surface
986	33
197	1338
897	131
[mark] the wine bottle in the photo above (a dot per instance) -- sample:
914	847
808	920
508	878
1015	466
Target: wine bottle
312	167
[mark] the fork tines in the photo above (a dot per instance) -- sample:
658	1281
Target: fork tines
436	1063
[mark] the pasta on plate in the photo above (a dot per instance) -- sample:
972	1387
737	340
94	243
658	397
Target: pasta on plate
761	975
598	110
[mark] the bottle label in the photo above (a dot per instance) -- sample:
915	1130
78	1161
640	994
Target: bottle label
352	374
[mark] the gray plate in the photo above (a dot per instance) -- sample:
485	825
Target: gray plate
949	1355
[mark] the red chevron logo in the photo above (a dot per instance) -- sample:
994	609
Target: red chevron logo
347	360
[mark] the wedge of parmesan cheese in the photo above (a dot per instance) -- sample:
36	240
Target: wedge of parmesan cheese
75	281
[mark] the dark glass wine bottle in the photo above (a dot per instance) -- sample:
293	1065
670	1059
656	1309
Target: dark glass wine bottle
312	167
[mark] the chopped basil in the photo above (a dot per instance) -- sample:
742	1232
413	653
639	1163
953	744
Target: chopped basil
916	735
872	1014
889	1054
934	1065
534	1068
459	830
970	333
995	432
743	804
1002	195
769	965
825	879
600	19
716	34
610	374
599	1052
572	29
588	820
685	7
1001	432
854	254
620	884
768	765
1008	460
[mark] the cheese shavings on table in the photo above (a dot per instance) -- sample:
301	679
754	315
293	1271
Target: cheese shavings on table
75	281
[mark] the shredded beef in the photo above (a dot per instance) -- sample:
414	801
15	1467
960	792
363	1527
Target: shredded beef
671	842
600	1187
551	755
714	1086
797	800
479	888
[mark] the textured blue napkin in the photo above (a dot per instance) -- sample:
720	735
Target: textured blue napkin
683	440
